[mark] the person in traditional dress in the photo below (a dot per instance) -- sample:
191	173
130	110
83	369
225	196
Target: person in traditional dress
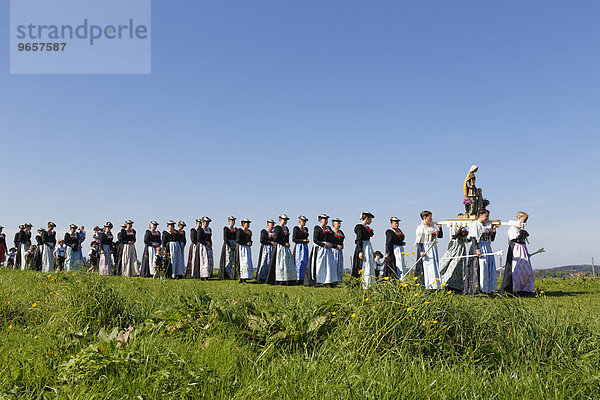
39	247
96	236
204	249
178	251
481	271
338	248
282	270
518	273
30	258
427	269
470	192
71	240
93	257
105	264
363	262
159	264
379	264
322	269
12	255
118	252
82	236
60	254
228	250
49	243
3	248
193	261
17	264
266	251
170	248
128	253
301	241
395	264
243	252
453	263
24	241
152	241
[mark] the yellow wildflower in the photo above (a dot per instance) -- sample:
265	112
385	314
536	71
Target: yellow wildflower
56	294
437	279
386	278
404	285
367	299
10	327
426	302
416	294
449	291
48	276
542	292
417	284
353	315
414	278
434	321
360	271
443	284
408	309
412	252
34	304
333	313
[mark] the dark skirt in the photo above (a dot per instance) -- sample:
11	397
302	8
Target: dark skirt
145	268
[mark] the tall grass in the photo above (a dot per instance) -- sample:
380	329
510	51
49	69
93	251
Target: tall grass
82	336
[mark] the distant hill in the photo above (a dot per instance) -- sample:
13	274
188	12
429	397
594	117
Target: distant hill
566	270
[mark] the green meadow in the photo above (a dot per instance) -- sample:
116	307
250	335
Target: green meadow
81	336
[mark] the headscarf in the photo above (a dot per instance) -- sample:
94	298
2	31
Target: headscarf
470	175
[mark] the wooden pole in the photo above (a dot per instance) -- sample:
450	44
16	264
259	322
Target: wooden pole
593	269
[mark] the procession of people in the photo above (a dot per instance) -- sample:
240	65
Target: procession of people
322	264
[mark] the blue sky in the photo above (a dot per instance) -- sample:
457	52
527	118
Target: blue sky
257	108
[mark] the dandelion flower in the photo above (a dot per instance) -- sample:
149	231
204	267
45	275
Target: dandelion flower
353	315
434	321
542	292
412	253
437	279
416	294
48	276
426	302
417	284
449	291
56	294
367	299
408	309
414	278
333	313
360	271
386	278
10	327
34	304
404	285
443	284
8	302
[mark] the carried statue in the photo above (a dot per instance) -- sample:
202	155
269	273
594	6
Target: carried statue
474	201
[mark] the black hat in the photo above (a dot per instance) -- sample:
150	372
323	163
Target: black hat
231	218
154	223
270	221
198	219
21	226
1	227
170	222
108	225
394	219
52	224
246	220
283	216
129	222
40	229
123	225
366	214
323	216
206	219
72	226
181	223
27	224
336	220
303	218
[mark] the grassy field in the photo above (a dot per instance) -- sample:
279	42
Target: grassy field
81	336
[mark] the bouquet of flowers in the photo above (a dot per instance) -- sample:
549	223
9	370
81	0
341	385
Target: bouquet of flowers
466	201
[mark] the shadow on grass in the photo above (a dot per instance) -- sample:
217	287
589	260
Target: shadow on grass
560	293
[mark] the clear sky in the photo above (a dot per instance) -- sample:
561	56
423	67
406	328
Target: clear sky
255	108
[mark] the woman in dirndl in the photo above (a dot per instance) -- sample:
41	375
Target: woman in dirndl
204	250
105	263
72	259
363	262
151	246
282	270
129	255
193	265
518	273
481	273
321	268
338	248
48	245
227	259
39	248
395	265
453	263
427	269
266	251
300	239
243	253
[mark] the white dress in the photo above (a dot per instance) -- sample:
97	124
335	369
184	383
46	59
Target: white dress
426	235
